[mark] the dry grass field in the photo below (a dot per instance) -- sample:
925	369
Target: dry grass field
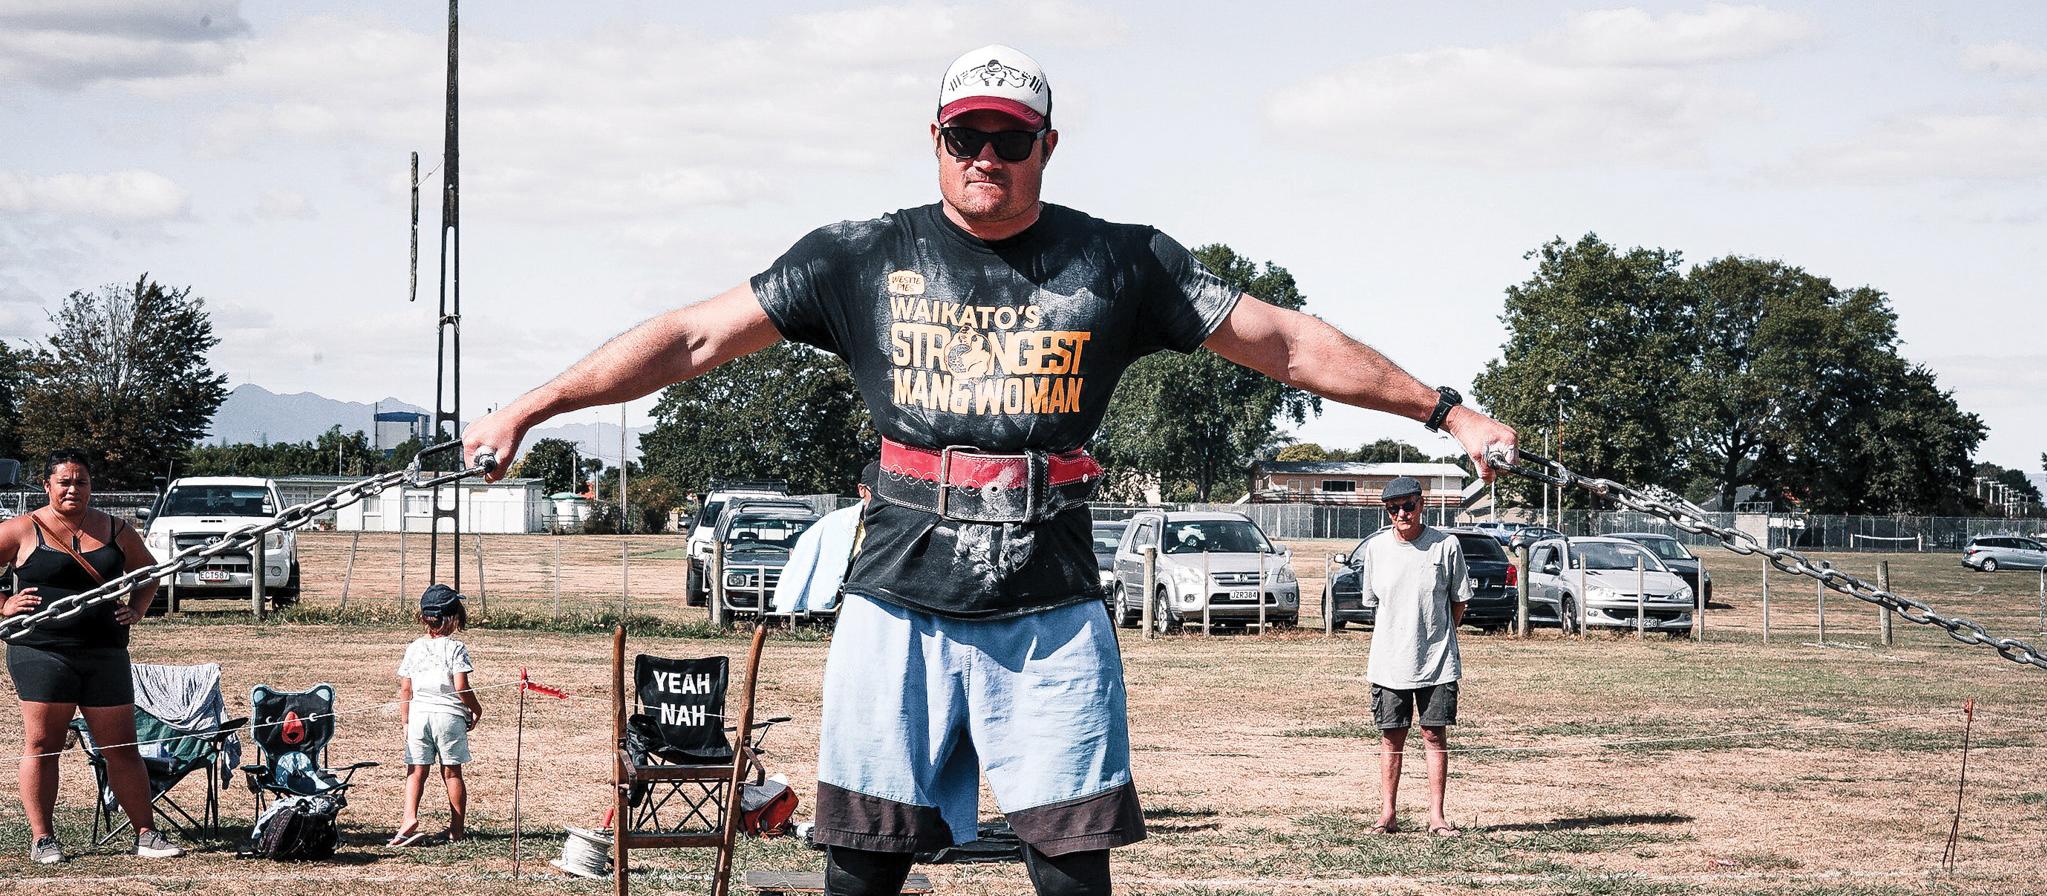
1603	765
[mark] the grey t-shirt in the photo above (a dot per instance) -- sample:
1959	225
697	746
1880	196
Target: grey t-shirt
1414	640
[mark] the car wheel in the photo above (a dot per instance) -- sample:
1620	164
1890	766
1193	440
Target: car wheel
1329	611
1162	619
1989	564
1567	615
1122	611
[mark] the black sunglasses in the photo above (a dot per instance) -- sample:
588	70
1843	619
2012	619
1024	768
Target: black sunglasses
1404	506
1010	146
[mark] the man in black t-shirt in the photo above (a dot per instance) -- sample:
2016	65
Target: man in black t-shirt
986	333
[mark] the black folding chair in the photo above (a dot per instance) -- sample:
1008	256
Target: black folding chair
292	730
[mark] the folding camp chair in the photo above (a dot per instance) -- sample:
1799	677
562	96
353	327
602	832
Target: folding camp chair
292	730
675	774
169	755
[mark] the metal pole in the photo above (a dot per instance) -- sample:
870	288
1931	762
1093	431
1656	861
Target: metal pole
625	522
1151	584
401	549
1329	588
1579	610
1520	591
557	577
1641	598
1766	600
2043	599
348	572
518	756
1883	614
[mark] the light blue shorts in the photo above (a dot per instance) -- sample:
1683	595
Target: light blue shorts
917	706
436	738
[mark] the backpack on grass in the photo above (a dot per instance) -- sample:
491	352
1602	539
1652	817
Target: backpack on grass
295	828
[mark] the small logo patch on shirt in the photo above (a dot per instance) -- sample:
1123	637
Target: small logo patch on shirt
906	283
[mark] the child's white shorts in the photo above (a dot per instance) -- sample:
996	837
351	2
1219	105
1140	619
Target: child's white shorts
436	737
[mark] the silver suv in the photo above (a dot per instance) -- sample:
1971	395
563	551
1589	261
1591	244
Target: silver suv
1990	553
1232	550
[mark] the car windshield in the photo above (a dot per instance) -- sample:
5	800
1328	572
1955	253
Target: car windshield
1607	555
1215	537
1481	547
753	531
1665	548
1107	538
218	500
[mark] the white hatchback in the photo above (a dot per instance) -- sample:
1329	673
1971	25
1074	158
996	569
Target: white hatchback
1594	581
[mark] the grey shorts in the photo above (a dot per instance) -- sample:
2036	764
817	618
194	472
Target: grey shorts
1396	708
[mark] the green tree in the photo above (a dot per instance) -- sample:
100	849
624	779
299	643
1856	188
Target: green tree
124	375
13	377
1387	451
334	453
1610	331
1197	418
1305	451
556	462
794	409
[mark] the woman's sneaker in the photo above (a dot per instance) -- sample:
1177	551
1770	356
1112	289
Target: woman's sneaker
153	844
46	851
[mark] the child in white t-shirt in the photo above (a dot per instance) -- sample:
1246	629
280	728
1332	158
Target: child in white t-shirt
438	709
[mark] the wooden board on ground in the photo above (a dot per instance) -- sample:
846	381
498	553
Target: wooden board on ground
769	883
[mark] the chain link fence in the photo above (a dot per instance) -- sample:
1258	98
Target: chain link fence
1863	534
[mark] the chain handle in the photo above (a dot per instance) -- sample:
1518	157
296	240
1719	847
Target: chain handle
242	540
1691	518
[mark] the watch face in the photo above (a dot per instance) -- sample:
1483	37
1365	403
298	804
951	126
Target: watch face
1451	394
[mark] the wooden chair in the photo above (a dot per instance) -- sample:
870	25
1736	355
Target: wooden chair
675	775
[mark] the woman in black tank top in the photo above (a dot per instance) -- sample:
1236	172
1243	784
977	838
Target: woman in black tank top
79	664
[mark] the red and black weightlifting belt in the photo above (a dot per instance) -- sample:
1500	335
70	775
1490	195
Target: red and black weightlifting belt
968	485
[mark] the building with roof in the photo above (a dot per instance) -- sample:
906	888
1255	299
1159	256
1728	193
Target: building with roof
1351	482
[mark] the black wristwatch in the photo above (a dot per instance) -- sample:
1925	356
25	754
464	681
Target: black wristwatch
1446	399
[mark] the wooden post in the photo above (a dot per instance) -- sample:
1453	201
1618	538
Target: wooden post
557	577
1151	584
718	584
1819	589
256	579
1329	588
2043	600
1699	613
1261	594
1883	613
1766	600
1521	592
348	572
482	597
1207	591
171	600
401	551
1641	598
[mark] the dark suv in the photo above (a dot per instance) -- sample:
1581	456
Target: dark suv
1492	579
758	536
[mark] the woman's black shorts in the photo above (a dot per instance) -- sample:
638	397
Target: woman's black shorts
96	676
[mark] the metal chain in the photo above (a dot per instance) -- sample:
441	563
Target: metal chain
240	541
1691	518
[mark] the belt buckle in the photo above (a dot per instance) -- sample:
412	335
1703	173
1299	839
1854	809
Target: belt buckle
1037	473
945	471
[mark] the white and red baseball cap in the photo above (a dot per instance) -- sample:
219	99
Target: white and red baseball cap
998	78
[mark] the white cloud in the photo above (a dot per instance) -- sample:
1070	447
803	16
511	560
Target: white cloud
67	44
1989	146
120	196
2006	58
283	205
1720	33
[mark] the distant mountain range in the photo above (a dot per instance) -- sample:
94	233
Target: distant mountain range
255	414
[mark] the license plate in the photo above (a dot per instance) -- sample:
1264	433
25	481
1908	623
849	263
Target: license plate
1244	594
213	575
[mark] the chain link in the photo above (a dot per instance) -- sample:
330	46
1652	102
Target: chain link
240	541
1691	518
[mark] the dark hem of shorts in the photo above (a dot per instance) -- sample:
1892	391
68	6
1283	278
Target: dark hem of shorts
858	820
1103	820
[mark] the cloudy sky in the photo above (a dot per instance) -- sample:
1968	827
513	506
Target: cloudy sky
620	159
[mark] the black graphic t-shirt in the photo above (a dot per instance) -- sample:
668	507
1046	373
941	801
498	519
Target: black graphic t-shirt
1001	346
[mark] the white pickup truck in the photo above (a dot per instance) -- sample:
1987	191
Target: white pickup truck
198	511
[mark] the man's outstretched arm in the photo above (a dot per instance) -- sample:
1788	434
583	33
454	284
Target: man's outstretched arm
1304	352
664	350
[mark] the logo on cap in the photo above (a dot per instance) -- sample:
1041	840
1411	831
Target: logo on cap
994	74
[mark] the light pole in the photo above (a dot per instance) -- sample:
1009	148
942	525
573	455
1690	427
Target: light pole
1558	391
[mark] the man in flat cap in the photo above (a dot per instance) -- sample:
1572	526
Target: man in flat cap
1416	576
